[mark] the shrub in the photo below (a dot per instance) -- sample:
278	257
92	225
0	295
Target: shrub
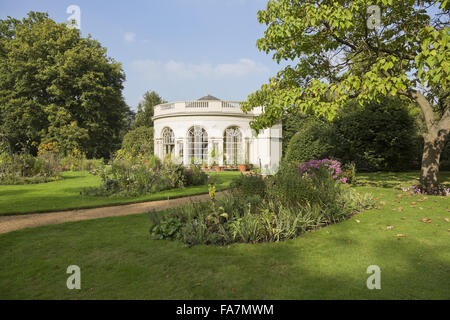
249	185
287	186
312	167
378	136
139	177
139	141
312	141
349	172
194	176
24	169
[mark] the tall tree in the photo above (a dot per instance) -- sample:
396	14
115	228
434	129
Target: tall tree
57	85
146	109
343	50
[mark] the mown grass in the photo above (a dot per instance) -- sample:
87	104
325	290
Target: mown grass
118	259
66	194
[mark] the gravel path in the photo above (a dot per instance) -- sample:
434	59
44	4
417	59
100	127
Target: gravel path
17	222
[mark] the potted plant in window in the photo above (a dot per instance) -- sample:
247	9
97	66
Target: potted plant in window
214	158
243	167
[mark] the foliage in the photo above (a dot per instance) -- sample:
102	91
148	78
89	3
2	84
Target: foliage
194	176
56	86
349	172
313	167
25	169
255	212
312	141
138	141
339	58
291	187
291	123
146	109
378	136
141	176
249	185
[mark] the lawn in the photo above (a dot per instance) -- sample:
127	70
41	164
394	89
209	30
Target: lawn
118	260
65	194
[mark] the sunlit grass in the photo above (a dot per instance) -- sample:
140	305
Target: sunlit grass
66	194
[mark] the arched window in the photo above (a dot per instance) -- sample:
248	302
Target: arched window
168	139
197	145
232	146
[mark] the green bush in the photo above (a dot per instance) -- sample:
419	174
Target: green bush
194	176
249	185
349	172
135	178
25	169
139	141
312	141
378	136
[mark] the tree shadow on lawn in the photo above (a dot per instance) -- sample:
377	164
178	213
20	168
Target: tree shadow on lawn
285	271
14	192
396	179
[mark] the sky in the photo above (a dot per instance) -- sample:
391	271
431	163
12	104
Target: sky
182	49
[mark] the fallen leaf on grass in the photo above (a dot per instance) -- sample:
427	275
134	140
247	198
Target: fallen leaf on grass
400	208
426	220
401	235
403	218
357	221
446	219
389	227
382	203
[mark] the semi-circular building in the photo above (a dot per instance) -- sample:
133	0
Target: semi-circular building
211	131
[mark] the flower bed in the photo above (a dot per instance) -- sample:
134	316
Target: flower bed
262	210
311	167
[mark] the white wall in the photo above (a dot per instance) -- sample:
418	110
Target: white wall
265	147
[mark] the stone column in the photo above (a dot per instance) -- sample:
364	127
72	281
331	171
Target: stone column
186	160
221	152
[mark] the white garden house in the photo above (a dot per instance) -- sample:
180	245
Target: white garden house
190	130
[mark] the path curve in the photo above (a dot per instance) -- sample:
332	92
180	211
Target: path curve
17	222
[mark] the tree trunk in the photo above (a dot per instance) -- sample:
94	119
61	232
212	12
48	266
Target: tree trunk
434	143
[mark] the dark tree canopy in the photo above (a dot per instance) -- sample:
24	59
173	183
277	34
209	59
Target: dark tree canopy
58	86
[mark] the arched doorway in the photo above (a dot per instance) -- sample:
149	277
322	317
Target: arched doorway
232	146
197	146
168	139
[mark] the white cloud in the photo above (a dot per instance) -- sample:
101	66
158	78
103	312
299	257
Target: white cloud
129	37
176	69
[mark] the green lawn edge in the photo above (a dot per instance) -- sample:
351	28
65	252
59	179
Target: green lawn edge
64	195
